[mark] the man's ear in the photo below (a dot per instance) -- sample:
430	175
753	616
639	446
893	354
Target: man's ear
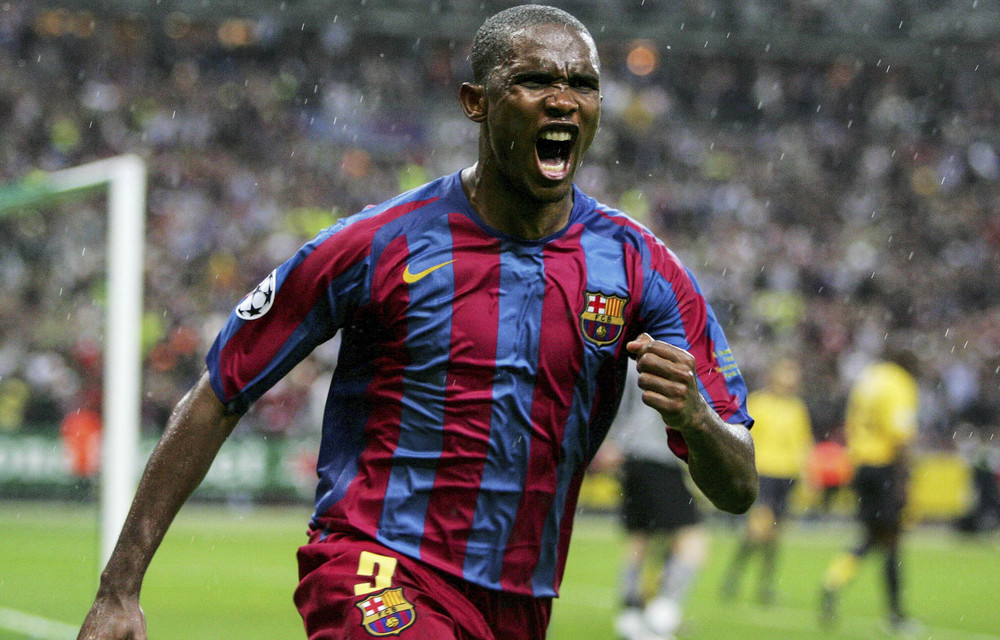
473	99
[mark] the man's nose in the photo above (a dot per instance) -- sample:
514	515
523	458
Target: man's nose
560	100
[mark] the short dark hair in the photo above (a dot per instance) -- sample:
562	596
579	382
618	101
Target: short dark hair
492	42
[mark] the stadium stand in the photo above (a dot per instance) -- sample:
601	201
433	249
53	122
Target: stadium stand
828	194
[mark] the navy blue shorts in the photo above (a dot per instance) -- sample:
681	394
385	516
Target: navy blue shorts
774	494
881	494
656	500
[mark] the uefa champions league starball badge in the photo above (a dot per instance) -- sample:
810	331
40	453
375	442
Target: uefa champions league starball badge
259	301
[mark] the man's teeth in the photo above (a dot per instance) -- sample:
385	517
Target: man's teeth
556	136
557	165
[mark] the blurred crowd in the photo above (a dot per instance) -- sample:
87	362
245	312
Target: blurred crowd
825	208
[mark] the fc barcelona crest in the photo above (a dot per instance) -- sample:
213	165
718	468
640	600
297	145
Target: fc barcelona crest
387	613
603	318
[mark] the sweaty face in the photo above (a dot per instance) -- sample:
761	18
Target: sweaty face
544	108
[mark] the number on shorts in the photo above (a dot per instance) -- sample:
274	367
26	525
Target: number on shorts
377	570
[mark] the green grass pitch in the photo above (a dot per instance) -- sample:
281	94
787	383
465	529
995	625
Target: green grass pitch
229	573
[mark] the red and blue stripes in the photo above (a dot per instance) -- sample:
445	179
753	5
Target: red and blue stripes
467	401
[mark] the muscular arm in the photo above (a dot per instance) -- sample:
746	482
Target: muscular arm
720	455
196	430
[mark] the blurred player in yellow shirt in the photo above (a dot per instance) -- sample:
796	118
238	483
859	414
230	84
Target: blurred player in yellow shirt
783	439
880	424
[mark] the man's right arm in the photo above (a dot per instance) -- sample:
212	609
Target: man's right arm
196	430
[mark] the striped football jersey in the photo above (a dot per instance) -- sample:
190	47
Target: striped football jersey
478	373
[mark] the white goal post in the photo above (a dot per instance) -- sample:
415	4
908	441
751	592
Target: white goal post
125	179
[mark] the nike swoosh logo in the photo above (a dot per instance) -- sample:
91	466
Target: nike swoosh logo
409	277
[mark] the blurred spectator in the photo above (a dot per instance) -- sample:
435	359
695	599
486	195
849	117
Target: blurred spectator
81	434
983	514
13	399
827	202
829	470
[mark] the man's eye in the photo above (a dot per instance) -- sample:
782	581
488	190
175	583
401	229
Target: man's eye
533	81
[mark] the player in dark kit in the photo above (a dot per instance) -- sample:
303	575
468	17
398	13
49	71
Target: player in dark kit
487	321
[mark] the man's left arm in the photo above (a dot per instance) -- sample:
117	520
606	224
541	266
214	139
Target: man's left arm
720	455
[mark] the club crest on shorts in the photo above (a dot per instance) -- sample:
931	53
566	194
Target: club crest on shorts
386	613
259	301
603	317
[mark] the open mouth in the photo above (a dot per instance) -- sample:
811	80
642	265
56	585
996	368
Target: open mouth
553	148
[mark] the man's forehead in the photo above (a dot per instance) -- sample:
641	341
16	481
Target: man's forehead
557	44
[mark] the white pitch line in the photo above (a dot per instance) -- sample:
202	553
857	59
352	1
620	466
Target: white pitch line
36	626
